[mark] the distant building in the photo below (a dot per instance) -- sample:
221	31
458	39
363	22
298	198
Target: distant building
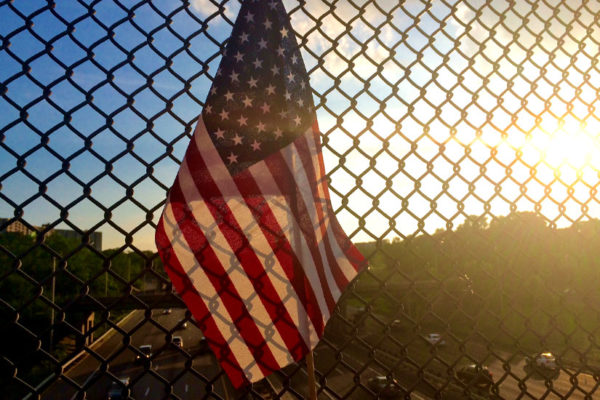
95	238
16	227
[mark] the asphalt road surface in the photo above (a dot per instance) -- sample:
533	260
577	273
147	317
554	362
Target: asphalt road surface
169	372
511	381
166	371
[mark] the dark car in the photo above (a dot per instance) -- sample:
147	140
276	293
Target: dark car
434	339
182	325
386	387
543	364
475	375
263	390
203	345
178	341
146	353
117	389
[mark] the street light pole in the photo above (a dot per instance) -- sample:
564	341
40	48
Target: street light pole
53	290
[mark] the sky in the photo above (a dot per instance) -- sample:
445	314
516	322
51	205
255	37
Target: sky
464	108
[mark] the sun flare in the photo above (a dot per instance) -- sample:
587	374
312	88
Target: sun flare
569	145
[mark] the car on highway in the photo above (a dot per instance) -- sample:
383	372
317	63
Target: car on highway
475	375
146	353
386	387
182	325
396	325
263	390
117	389
543	364
203	344
434	339
178	341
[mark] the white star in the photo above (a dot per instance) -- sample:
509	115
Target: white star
260	126
247	102
278	133
284	32
288	95
232	158
300	102
228	96
244	37
302	84
234	76
255	145
220	133
237	139
267	24
273	4
257	63
208	109
294	59
290	77
213	90
270	89
243	121
275	70
224	115
218	72
265	108
249	17
252	82
282	114
297	120
238	57
262	43
280	51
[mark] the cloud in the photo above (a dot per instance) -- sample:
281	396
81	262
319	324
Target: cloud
207	8
511	35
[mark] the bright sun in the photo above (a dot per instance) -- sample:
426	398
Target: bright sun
570	145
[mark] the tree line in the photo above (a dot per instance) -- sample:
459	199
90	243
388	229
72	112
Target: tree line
516	280
30	267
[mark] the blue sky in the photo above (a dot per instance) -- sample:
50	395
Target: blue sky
413	85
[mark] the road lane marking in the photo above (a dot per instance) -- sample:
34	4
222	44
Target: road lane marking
147	391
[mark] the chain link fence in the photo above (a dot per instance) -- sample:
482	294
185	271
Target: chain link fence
461	143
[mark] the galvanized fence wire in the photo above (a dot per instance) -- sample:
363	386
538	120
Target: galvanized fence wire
461	143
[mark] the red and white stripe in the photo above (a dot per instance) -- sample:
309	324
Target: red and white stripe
259	258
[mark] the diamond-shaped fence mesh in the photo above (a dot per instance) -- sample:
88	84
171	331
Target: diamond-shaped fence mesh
461	142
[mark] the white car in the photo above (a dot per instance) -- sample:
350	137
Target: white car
543	364
434	339
546	360
115	392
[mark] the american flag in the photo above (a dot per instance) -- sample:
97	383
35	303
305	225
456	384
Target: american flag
248	235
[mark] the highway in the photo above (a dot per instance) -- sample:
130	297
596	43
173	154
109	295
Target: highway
168	373
511	381
167	367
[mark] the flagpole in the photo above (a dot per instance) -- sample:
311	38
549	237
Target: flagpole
310	364
312	383
225	391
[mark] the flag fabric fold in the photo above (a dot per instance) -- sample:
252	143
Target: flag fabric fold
248	235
